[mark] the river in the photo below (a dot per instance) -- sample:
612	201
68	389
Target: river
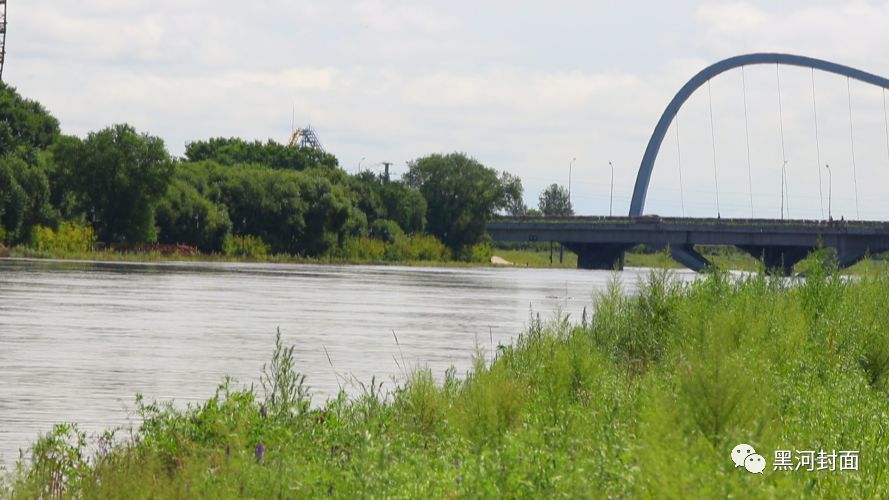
78	340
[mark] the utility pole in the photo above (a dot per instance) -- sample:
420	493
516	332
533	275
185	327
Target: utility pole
570	165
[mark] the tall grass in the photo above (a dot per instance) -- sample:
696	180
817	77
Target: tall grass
646	398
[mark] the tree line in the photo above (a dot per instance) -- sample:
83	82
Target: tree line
124	186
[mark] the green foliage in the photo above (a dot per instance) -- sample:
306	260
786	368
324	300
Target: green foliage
513	192
294	212
286	393
555	202
569	410
417	247
60	459
125	185
461	196
24	124
272	154
381	198
385	230
186	216
117	176
24	199
480	252
245	246
70	237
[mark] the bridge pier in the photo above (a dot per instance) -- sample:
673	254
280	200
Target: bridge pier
778	258
689	257
601	256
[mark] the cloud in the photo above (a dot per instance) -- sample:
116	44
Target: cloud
520	85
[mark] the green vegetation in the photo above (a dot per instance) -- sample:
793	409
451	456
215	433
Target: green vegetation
555	201
646	397
234	197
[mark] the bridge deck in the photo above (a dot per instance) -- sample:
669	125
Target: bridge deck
604	239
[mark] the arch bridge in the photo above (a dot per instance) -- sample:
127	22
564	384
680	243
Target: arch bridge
601	242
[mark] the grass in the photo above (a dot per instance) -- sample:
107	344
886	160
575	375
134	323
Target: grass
646	397
724	257
114	256
538	258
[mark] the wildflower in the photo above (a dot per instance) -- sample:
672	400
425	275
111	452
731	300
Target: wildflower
260	451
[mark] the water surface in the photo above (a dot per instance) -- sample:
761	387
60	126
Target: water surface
78	340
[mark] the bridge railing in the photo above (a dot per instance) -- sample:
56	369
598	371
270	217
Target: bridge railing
709	221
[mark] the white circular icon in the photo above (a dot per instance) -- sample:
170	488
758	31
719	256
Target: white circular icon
755	463
740	454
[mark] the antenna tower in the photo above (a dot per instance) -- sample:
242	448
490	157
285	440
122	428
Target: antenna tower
303	138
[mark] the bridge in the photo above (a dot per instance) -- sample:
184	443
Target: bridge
600	242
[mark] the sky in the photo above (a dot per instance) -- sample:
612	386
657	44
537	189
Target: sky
522	86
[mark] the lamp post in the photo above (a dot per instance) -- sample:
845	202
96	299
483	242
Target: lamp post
783	169
570	165
611	198
829	190
359	164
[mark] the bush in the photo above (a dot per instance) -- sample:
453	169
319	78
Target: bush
386	230
420	247
245	246
480	252
69	238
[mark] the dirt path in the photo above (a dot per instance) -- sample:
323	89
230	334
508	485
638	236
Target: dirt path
500	261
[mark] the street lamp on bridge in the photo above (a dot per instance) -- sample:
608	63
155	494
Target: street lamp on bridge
829	190
611	198
783	187
570	165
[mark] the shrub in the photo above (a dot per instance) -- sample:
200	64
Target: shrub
386	230
245	246
480	252
69	238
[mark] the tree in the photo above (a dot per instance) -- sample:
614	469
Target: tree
271	154
554	202
186	216
514	203
117	176
461	196
380	198
24	199
24	124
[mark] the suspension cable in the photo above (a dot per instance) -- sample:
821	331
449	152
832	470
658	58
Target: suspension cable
785	193
713	143
817	146
747	134
852	143
679	156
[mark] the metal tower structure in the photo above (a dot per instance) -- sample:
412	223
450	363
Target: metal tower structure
303	137
2	36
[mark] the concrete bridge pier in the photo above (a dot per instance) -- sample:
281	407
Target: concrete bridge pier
850	250
601	256
689	257
777	258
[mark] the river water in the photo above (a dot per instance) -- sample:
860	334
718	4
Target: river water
78	340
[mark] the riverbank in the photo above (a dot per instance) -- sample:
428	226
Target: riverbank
501	257
724	258
115	256
646	396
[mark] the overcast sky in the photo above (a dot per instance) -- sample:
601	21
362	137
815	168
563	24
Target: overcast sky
523	86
